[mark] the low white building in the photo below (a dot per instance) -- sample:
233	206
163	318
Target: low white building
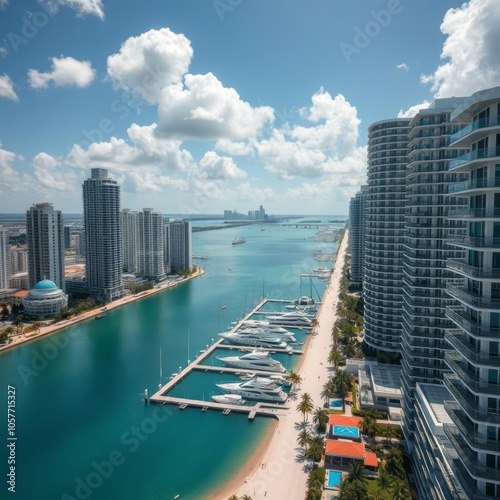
45	299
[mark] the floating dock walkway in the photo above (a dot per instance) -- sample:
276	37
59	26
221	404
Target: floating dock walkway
260	408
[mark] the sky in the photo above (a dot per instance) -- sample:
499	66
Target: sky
197	106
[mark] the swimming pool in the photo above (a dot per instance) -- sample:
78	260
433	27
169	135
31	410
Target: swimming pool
344	430
336	403
334	478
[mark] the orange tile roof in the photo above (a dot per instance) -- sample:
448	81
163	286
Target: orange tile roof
21	294
336	419
348	397
371	459
345	448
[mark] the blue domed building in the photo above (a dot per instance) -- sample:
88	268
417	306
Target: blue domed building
45	299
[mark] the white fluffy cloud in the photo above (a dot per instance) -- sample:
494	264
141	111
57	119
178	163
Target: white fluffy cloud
83	7
328	148
213	166
470	53
66	71
7	88
12	180
403	67
3	4
49	173
147	63
413	110
204	109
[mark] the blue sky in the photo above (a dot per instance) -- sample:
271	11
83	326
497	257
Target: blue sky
199	106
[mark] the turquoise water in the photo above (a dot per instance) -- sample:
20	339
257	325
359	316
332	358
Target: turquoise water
343	430
336	403
83	430
334	478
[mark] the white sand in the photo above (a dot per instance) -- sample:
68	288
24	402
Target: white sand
280	472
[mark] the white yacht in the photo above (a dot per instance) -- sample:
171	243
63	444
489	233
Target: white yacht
232	399
255	360
304	300
266	332
262	323
255	340
262	389
295	319
322	270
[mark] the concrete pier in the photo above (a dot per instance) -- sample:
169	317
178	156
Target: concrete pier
260	408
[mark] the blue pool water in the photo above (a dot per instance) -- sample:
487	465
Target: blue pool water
334	478
336	403
344	430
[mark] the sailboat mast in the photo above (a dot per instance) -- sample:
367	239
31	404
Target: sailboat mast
161	373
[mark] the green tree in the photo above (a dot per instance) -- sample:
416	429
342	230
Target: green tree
18	323
246	497
320	418
314	493
303	439
294	378
36	326
394	462
369	426
401	491
335	358
316	478
4	336
306	405
314	324
353	491
316	449
385	480
357	472
5	312
342	382
328	391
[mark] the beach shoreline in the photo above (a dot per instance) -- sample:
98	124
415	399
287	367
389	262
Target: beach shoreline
91	314
274	469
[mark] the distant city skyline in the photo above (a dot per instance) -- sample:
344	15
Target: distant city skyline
191	112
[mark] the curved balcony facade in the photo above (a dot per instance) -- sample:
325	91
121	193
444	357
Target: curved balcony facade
387	152
475	337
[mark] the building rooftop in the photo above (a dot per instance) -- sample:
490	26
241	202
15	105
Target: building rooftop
371	459
346	420
345	448
45	285
434	396
386	380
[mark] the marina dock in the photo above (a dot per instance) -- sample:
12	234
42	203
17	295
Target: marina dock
260	408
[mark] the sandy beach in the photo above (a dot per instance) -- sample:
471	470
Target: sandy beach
277	470
47	330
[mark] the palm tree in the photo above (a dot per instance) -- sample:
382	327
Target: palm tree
342	382
328	391
378	494
390	432
233	497
335	358
357	473
306	405
401	491
385	480
315	450
320	418
9	331
303	439
294	378
246	497
36	326
314	324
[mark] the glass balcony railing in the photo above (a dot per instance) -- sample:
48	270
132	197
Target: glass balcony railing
480	213
492	121
474	184
469	351
477	154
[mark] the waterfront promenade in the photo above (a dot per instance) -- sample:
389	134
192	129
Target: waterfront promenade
61	325
280	472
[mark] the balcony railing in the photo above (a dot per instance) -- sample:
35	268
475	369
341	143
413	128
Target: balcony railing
467	402
477	154
476	242
474	467
480	213
455	338
492	121
477	272
471	299
475	329
469	432
469	378
484	182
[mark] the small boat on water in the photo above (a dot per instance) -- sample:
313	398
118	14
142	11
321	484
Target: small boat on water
255	360
100	315
224	306
232	399
238	241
